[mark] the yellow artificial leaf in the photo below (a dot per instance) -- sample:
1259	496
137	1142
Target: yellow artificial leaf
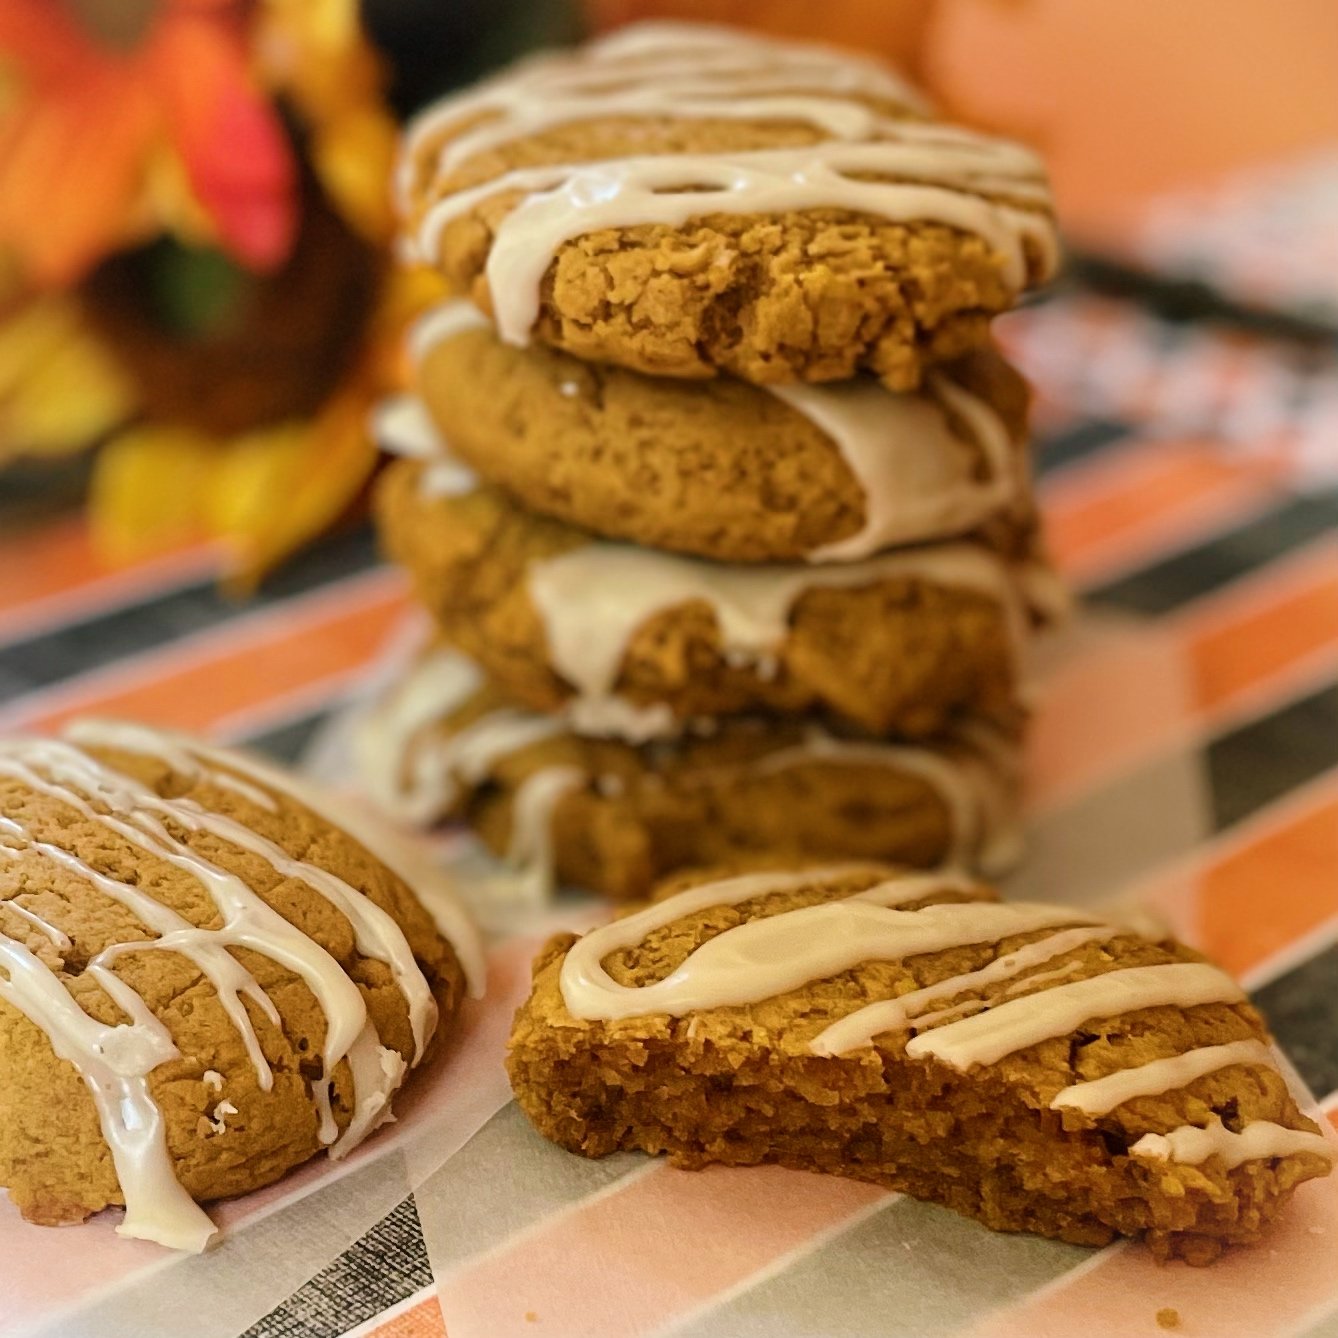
275	490
148	488
353	154
60	390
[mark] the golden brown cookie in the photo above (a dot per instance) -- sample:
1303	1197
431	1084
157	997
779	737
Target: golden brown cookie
616	816
725	470
690	200
903	642
1027	1065
203	981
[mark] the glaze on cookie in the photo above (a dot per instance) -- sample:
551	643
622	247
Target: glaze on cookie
904	641
724	470
606	803
687	199
1031	1066
205	978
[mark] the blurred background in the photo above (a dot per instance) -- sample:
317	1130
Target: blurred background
197	306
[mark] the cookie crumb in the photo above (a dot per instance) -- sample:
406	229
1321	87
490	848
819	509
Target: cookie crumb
1168	1318
531	1317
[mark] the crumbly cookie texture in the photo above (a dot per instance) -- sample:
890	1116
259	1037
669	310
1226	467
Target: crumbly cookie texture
813	296
902	655
740	1085
751	789
718	468
225	1134
769	287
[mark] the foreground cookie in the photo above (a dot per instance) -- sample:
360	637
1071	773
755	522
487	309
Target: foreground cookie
729	471
1023	1064
204	980
683	199
568	807
904	641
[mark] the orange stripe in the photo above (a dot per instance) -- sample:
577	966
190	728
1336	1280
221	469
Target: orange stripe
650	1251
235	667
1237	651
1265	628
1264	896
46	561
420	1321
1142	497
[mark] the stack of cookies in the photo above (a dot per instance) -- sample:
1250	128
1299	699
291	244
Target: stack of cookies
717	492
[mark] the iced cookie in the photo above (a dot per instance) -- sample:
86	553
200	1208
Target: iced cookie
685	200
726	470
205	977
616	816
1027	1065
903	641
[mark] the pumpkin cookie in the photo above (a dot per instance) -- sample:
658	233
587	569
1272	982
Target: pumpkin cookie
687	200
725	470
1027	1065
571	807
901	642
205	979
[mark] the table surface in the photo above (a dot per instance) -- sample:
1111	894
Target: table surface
1185	757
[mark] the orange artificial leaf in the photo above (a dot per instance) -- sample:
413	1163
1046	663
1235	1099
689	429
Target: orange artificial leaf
230	140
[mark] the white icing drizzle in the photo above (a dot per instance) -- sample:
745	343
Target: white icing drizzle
115	1062
656	68
1099	1096
378	934
592	599
530	850
443	322
58	938
928	171
917	476
858	1029
765	957
978	794
1008	1027
560	204
1257	1141
618	718
401	426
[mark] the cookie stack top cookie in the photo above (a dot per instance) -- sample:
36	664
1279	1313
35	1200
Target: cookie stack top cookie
686	200
712	439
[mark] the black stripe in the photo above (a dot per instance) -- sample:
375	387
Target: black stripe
1085	438
1266	758
1302	1009
286	743
106	637
1197	571
383	1268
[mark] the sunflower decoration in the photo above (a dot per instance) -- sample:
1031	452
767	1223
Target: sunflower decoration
194	263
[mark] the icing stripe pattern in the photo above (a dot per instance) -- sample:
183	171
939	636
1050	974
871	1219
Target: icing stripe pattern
768	956
897	168
115	1061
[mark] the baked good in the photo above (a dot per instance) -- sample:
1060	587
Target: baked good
204	978
904	641
616	816
688	199
730	471
1024	1064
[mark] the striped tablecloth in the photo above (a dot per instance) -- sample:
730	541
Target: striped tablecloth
1185	757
